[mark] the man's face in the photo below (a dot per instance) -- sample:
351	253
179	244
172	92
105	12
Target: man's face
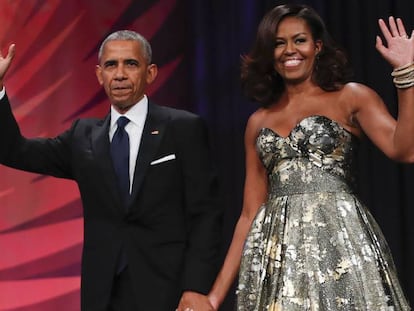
124	73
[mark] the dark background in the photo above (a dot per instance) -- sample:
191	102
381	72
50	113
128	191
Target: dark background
224	30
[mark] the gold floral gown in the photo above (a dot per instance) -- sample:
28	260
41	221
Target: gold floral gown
313	245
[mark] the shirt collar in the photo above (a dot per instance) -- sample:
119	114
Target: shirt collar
136	114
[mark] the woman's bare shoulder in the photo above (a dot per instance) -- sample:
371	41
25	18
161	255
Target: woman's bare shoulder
356	89
255	122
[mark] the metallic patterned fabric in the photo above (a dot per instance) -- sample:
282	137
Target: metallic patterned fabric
313	245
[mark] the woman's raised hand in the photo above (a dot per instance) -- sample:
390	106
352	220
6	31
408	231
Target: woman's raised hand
399	48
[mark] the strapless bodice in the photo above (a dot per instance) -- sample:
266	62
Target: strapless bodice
317	155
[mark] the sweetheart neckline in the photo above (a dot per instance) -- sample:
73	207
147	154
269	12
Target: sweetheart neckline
303	120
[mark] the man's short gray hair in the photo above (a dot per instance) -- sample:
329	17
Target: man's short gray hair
128	35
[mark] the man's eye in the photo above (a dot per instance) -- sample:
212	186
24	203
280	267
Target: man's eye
109	64
132	64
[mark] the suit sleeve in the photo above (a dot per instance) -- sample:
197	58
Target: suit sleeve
203	208
49	156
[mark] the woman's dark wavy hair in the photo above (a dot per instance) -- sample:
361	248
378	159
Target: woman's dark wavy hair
261	83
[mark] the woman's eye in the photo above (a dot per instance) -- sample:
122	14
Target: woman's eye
300	40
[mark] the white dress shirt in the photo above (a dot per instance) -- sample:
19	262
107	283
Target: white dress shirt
136	115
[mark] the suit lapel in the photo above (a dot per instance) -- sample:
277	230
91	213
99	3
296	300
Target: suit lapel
152	134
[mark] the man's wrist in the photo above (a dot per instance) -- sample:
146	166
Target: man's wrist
2	92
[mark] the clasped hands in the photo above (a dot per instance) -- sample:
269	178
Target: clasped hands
192	301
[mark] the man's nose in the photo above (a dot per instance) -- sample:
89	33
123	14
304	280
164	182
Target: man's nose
120	72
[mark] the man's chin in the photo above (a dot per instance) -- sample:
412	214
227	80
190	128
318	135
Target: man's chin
123	106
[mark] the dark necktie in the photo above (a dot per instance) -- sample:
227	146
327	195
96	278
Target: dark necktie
120	157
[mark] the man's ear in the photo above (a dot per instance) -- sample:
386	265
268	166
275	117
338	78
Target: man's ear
98	72
152	72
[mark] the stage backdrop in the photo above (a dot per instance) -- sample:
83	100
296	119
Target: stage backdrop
51	83
197	44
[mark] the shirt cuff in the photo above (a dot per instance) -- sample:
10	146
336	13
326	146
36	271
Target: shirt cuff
2	93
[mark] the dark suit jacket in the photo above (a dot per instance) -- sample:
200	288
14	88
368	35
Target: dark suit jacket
171	231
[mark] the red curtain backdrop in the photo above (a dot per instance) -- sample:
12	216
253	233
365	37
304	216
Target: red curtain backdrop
51	83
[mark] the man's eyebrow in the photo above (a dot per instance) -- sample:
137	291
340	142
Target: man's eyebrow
129	60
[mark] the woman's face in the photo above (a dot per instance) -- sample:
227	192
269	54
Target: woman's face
295	50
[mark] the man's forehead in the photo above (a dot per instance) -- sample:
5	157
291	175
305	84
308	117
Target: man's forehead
121	52
122	44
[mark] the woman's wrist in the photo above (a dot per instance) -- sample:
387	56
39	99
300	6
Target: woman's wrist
403	76
214	301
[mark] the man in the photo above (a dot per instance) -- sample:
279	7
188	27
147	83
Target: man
155	245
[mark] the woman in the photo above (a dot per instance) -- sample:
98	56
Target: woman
306	241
